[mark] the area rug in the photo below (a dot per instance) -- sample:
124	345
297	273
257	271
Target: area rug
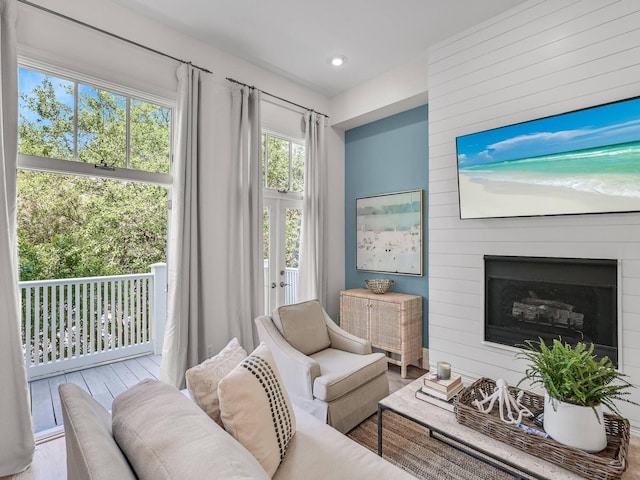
408	445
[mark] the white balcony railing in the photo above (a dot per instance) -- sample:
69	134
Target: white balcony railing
77	322
73	323
291	293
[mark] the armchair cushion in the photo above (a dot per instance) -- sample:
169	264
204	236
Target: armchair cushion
303	326
256	410
343	372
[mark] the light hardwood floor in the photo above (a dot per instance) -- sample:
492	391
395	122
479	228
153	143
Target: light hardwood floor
103	383
50	459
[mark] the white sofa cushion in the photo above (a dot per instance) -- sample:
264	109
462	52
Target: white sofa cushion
88	435
203	379
256	410
319	451
166	436
303	326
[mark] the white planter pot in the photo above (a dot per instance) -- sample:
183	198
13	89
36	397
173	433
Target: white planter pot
574	426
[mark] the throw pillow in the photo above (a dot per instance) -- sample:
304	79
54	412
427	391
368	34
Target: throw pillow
303	326
256	410
203	379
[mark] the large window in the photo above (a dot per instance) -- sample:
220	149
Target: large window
283	175
94	173
64	119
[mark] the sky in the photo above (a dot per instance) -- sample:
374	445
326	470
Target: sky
593	127
28	80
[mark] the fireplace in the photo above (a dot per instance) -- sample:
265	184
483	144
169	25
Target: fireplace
527	298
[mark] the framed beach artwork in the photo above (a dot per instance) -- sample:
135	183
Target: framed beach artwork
585	161
389	233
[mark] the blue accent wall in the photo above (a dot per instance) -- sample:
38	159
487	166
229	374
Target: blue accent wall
387	156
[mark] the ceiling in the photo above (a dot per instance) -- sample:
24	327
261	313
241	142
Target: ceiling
296	38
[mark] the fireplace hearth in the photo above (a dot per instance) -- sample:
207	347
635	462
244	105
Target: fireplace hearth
527	298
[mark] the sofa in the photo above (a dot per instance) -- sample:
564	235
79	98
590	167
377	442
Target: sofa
157	432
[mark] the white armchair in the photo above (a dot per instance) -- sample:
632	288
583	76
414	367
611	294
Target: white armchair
326	370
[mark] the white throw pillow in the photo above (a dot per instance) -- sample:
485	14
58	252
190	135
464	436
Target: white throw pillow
203	379
256	410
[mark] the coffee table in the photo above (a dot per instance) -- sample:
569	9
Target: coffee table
443	426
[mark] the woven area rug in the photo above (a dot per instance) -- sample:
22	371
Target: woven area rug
408	445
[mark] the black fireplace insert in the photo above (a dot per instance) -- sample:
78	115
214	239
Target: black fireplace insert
572	299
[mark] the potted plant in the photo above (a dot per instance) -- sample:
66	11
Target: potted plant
577	385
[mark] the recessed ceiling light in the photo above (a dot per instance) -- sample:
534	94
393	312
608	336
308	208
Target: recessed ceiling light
338	60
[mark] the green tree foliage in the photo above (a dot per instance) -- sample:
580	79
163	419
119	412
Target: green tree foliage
72	226
292	240
285	164
46	121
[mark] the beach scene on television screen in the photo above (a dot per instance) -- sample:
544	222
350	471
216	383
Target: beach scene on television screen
389	233
586	161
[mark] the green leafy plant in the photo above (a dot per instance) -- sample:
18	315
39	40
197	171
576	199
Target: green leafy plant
574	374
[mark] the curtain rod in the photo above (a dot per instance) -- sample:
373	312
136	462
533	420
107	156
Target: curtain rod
97	29
233	80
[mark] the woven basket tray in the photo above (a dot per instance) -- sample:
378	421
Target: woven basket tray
379	285
608	464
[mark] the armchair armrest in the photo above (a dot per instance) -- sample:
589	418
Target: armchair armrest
343	340
298	371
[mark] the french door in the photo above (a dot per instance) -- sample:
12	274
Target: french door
282	224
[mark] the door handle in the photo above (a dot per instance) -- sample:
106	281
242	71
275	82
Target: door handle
273	285
282	284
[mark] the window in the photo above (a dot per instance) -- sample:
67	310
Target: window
283	164
93	179
283	175
64	119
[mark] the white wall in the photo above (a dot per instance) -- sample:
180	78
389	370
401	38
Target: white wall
538	59
396	91
53	40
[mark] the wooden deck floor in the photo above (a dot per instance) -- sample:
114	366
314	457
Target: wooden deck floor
103	383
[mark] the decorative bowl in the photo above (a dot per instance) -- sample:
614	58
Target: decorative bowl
378	285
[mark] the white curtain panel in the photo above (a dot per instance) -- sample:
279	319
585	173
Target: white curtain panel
180	348
16	441
230	196
245	215
216	285
312	272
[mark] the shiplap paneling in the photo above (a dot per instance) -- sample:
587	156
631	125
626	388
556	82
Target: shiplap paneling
527	46
459	286
539	59
456	298
631	269
631	322
452	324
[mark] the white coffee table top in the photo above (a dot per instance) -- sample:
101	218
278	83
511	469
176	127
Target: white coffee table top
441	420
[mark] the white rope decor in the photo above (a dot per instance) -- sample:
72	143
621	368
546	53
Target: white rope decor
509	406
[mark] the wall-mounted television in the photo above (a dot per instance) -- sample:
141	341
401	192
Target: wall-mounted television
585	161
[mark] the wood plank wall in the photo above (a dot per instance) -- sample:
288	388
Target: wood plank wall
538	59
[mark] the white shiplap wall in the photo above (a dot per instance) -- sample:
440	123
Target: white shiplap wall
541	58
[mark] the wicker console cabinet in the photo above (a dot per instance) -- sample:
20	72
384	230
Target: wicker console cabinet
391	322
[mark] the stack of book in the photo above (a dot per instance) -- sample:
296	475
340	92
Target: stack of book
440	392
